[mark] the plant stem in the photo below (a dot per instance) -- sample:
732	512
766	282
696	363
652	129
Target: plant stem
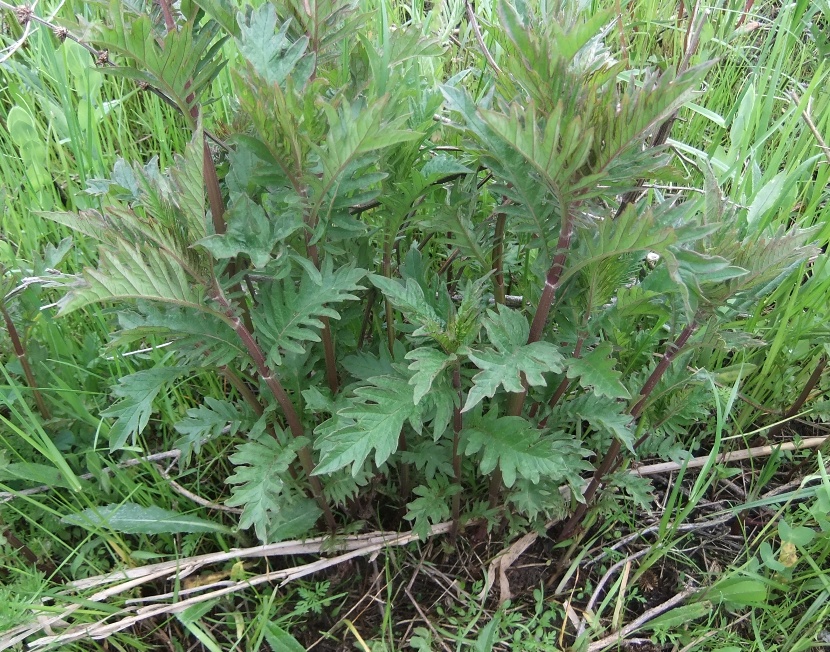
406	486
812	381
390	315
554	400
516	401
448	262
374	203
457	426
328	353
295	425
747	8
621	28
608	462
217	214
553	277
214	191
47	567
499	295
244	391
209	174
211	178
664	130
498	258
250	398
668	356
471	17
328	341
169	21
20	352
367	316
494	492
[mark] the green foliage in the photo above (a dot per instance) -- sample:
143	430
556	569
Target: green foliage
373	421
431	505
137	393
533	252
511	362
409	296
281	640
209	421
259	486
181	63
336	170
289	314
606	416
131	518
270	52
127	273
520	450
252	232
595	370
428	365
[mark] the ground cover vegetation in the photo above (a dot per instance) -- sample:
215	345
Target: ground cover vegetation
380	325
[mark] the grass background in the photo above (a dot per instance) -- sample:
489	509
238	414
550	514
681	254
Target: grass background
762	124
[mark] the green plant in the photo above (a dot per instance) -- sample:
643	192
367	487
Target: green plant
410	263
340	172
780	588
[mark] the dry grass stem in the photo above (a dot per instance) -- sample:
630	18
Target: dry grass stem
634	625
734	456
471	16
355	546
